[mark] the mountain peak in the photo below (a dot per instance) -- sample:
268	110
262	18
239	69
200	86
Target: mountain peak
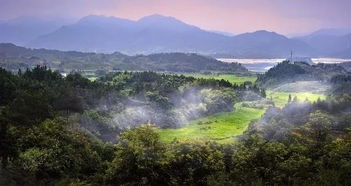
101	19
264	32
157	18
93	17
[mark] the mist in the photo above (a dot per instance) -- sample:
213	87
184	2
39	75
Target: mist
112	116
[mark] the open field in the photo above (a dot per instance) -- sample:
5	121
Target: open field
220	127
281	98
234	79
92	78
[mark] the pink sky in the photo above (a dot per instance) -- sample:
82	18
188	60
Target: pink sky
236	16
227	16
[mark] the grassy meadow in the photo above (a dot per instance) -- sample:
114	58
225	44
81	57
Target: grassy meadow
223	127
92	78
281	98
220	127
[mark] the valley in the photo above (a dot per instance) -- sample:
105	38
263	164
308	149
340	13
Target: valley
175	92
170	121
224	127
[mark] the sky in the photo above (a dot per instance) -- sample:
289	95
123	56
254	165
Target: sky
234	16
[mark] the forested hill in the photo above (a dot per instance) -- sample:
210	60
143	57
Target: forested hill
13	57
287	72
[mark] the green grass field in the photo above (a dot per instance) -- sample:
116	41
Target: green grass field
281	98
223	126
229	77
92	78
220	127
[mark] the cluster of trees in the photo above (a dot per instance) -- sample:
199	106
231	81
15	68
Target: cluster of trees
31	98
341	84
134	83
166	90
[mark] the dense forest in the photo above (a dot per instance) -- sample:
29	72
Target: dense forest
341	84
71	131
13	57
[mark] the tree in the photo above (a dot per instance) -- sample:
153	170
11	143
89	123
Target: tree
289	99
316	130
7	86
6	143
68	101
139	158
263	93
320	124
28	108
50	151
194	163
295	99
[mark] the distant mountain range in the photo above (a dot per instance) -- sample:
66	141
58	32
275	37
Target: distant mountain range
330	42
157	33
22	30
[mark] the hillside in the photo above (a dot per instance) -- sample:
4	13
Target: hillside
13	57
286	72
265	44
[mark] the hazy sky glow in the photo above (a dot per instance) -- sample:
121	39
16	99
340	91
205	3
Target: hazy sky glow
283	16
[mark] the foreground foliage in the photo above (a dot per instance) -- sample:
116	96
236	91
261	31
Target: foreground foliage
313	152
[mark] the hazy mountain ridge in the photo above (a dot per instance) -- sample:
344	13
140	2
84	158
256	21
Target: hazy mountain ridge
330	42
158	34
24	29
150	34
13	57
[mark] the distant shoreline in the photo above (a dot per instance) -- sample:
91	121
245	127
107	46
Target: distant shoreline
264	64
277	60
